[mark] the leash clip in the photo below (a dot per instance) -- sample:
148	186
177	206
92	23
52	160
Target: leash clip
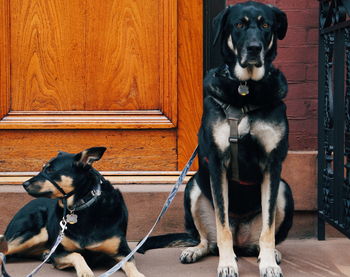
63	225
96	192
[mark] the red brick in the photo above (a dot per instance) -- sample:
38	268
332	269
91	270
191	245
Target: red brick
303	134
312	36
295	36
301	109
305	18
312	72
302	116
294	73
292	4
305	90
299	54
313	4
232	2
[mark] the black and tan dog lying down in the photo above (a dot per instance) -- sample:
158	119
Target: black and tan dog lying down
237	202
98	216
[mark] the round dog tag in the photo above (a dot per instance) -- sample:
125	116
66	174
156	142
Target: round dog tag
72	218
243	90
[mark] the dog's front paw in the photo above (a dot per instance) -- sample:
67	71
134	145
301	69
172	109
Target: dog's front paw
228	271
85	273
268	263
192	254
270	271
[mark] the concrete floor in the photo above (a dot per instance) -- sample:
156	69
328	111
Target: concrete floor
309	258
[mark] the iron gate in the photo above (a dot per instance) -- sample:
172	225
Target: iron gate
334	117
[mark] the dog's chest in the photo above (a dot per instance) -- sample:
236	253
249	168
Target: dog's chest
267	133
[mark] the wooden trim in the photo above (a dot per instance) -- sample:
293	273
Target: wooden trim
4	57
169	60
190	77
116	177
148	119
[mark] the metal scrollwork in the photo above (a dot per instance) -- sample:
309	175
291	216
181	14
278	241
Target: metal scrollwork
334	186
346	188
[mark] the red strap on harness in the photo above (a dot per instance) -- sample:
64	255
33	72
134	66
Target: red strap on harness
242	183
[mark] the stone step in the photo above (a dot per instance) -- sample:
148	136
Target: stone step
144	203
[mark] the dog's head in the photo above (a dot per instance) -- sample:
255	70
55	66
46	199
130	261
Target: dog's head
67	170
248	34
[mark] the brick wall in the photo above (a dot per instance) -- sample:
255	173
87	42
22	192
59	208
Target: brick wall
297	58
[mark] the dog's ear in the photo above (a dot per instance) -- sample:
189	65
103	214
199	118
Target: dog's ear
90	155
281	21
219	23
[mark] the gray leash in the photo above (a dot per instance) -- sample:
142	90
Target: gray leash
164	209
60	236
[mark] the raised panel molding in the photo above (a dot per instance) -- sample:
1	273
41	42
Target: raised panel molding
151	119
165	116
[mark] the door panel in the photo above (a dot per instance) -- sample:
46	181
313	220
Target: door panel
117	73
75	62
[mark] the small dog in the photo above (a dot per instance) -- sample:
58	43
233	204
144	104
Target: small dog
237	201
97	216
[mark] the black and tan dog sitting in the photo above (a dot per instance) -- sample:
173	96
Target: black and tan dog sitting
97	215
237	201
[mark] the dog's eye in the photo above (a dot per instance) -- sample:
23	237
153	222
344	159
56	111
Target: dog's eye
266	25
239	25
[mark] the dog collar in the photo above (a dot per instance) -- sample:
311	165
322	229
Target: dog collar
88	199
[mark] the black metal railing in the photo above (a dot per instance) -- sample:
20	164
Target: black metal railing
334	117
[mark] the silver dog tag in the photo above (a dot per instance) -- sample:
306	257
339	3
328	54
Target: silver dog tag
72	218
243	90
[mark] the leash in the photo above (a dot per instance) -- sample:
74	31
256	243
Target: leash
162	212
63	225
3	269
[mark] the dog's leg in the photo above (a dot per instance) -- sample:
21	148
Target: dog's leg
203	218
74	260
269	190
219	186
129	267
33	244
250	246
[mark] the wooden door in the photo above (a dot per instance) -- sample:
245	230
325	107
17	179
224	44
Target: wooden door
80	73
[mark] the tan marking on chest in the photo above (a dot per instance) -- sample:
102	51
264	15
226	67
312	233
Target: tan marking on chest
268	134
70	244
109	246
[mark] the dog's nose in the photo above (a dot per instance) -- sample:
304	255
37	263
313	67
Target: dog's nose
254	48
26	184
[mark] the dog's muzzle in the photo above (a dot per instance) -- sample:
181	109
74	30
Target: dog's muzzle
252	54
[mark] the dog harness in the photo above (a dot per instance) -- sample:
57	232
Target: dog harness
234	116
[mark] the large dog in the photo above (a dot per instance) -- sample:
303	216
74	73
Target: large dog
97	217
238	203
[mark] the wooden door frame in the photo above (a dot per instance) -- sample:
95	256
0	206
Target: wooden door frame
194	21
